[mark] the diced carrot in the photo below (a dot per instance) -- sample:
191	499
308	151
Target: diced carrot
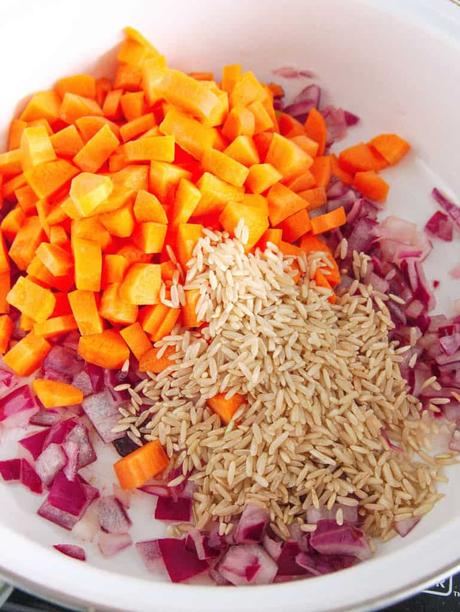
230	75
188	235
114	267
224	407
151	317
243	150
119	222
58	261
103	88
107	349
26	242
136	339
302	182
88	191
112	104
371	185
74	106
12	223
4	261
89	126
25	323
185	202
6	329
282	203
391	147
135	469
150	236
42	105
149	362
276	90
296	225
62	306
26	198
273	235
224	167
136	127
27	354
329	221
247	89
36	147
80	84
134	176
91	229
48	178
261	177
11	162
141	285
133	254
289	126
147	148
5	284
239	122
315	128
85	311
44	123
167	324
114	308
55	326
147	207
43	277
55	394
307	144
168	269
120	196
14	133
88	264
164	179
97	150
321	170
189	314
190	134
315	198
322	281
255	220
312	244
287	157
31	299
132	105
215	194
262	119
361	157
117	161
339	172
192	96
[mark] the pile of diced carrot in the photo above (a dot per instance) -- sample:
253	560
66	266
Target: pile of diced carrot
101	176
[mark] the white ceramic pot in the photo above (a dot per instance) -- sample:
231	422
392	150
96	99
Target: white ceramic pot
396	63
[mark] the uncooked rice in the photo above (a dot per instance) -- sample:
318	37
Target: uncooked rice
324	396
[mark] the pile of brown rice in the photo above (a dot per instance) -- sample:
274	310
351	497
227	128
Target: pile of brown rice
324	397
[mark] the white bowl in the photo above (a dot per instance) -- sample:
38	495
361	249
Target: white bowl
397	65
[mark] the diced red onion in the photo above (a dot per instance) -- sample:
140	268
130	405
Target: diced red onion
79	435
317	565
198	542
351	118
336	123
30	478
451	209
67	495
287	565
71	550
441	226
452	412
180	563
112	516
7	380
50	462
332	539
62	362
35	442
46	418
123	495
272	546
103	413
72	453
59	432
251	525
406	525
110	544
247	564
307	99
168	509
19	400
10	469
65	519
289	72
82	381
